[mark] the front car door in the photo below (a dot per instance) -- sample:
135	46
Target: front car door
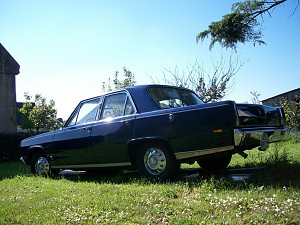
112	131
72	143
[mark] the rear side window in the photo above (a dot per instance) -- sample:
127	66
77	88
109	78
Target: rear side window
117	105
169	97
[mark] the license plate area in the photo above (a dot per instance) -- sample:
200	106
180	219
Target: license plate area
264	142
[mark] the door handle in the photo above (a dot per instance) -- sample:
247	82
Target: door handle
127	121
171	117
87	128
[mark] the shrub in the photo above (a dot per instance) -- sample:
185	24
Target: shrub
292	113
9	146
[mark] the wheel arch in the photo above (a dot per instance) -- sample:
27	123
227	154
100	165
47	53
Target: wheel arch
33	150
134	145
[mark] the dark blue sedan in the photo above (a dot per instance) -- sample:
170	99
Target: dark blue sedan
153	128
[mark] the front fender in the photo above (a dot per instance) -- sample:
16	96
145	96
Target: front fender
28	153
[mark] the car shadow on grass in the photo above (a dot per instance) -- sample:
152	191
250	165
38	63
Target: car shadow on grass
263	175
101	176
273	175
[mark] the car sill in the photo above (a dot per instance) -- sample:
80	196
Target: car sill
107	165
192	154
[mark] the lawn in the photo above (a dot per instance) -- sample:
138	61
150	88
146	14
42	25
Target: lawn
270	196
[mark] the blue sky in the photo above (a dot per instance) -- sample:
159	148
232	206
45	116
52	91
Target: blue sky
67	48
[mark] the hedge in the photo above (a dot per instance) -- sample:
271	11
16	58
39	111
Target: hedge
9	146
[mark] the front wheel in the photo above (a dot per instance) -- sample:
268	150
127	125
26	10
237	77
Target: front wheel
156	162
40	165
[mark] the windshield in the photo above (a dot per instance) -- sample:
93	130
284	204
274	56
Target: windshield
171	97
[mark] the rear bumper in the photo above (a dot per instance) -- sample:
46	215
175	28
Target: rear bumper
253	137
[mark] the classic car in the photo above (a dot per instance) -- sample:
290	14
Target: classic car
153	128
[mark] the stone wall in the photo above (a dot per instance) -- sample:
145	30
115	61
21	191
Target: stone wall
8	69
292	95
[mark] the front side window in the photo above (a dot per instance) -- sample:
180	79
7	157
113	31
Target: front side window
117	105
169	97
86	113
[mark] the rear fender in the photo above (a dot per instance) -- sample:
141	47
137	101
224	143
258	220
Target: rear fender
134	145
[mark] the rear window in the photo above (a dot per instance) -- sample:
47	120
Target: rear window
169	97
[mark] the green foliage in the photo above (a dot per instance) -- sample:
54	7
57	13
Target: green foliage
127	82
129	79
292	113
9	146
241	25
40	117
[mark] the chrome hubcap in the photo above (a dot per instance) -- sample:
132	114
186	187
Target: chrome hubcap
42	166
155	161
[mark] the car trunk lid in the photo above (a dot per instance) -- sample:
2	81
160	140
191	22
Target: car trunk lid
253	115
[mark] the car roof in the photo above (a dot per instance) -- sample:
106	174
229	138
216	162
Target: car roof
140	95
142	99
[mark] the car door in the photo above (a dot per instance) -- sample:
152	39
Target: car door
113	130
72	143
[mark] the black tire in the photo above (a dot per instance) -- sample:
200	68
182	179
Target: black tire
54	172
40	165
217	163
157	162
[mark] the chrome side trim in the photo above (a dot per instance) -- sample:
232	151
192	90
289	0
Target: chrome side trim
36	146
192	154
92	165
254	135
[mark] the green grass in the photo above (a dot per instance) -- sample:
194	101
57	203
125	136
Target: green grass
269	197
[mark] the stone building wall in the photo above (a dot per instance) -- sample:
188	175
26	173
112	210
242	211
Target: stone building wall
292	95
8	69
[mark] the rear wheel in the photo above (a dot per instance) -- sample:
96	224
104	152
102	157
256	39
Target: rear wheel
215	163
40	165
156	162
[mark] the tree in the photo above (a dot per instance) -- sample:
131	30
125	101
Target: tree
127	82
242	25
255	97
210	86
40	116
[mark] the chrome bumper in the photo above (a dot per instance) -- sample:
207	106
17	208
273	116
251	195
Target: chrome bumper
256	137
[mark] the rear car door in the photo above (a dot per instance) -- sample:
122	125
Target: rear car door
112	131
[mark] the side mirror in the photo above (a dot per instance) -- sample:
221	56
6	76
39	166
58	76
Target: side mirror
60	120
